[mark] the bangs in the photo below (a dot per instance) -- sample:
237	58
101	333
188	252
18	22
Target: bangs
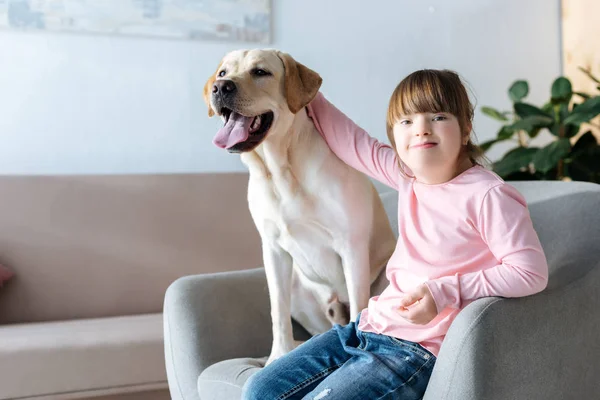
427	91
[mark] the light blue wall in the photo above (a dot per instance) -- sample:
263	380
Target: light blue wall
88	104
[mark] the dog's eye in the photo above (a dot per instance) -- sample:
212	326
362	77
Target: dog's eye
222	73
260	72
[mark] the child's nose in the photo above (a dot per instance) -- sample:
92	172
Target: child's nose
422	128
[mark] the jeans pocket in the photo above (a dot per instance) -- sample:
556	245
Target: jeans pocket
412	347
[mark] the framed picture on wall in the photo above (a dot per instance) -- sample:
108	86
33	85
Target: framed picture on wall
214	20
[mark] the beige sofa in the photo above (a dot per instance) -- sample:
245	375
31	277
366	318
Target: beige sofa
93	256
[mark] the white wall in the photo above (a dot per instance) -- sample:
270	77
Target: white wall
88	104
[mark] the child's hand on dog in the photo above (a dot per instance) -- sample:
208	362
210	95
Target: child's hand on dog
418	307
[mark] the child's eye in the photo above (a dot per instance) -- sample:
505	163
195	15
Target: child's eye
440	118
405	122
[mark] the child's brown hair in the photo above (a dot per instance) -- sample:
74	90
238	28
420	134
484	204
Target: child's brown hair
434	91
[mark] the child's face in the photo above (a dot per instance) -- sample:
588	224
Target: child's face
430	145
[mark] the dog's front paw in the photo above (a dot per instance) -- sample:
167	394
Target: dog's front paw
273	357
278	352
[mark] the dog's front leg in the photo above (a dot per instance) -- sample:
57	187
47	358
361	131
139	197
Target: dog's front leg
278	267
356	264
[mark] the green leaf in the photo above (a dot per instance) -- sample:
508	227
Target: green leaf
485	146
563	112
491	112
532	122
547	158
518	90
525	110
534	132
571	130
515	160
584	112
505	133
548	108
561	90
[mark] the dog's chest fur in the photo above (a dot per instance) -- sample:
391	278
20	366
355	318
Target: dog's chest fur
298	209
294	218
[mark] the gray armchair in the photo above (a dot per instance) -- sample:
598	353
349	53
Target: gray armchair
546	346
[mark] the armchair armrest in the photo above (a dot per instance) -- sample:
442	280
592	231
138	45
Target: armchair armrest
210	318
538	347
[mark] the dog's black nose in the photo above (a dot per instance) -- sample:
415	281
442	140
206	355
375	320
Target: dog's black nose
224	87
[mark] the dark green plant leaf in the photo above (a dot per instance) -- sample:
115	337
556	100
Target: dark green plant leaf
586	141
525	110
561	90
518	90
532	122
547	158
548	108
515	160
584	112
505	133
571	130
534	132
563	112
485	146
492	112
555	129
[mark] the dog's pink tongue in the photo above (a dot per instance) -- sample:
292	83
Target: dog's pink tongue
235	131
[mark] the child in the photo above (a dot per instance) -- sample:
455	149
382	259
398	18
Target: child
463	234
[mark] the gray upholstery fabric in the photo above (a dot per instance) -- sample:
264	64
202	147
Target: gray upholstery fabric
538	347
210	318
214	317
224	380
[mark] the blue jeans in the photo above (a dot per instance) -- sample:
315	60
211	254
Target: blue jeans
345	363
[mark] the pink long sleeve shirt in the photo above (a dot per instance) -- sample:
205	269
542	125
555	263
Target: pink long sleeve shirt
467	238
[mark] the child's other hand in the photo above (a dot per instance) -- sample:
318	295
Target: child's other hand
418	307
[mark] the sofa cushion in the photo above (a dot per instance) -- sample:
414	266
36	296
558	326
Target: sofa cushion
224	380
97	356
96	246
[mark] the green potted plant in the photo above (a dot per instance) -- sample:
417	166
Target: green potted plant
562	115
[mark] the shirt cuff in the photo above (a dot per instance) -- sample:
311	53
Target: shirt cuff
445	292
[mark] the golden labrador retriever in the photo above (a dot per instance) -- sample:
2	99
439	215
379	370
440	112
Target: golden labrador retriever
324	232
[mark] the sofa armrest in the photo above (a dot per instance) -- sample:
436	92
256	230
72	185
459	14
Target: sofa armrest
210	318
538	347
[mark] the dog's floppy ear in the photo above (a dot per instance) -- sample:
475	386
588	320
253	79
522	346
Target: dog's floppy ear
208	89
301	83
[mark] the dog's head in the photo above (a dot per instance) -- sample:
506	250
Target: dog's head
257	92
